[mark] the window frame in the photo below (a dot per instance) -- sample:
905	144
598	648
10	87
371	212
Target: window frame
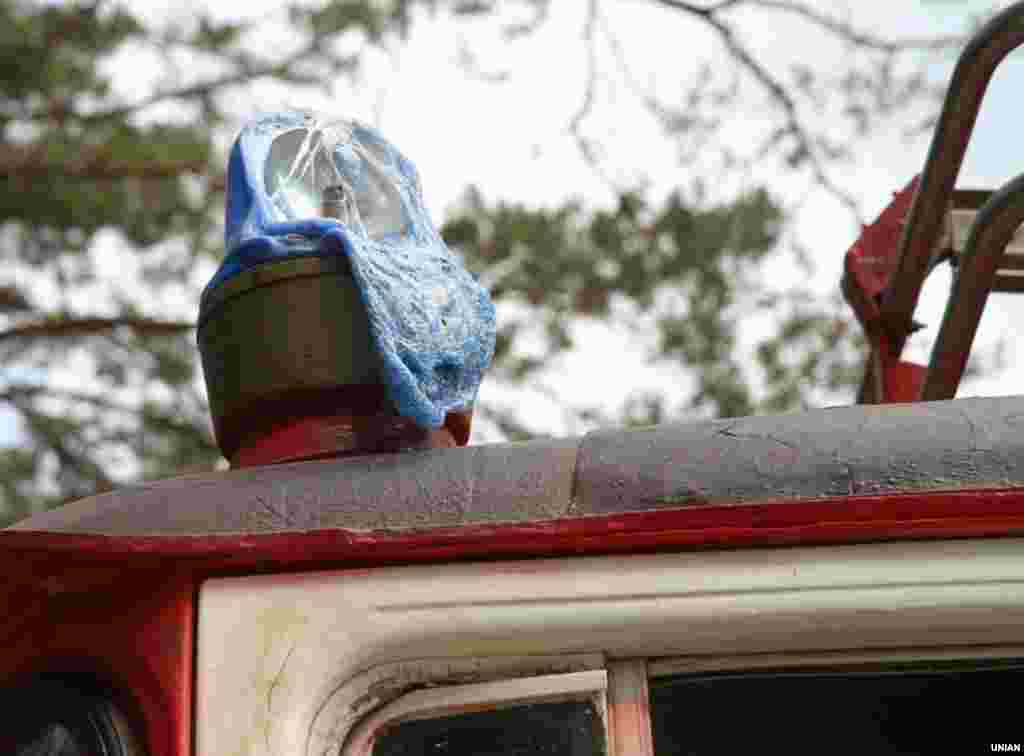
894	663
621	691
295	661
458	699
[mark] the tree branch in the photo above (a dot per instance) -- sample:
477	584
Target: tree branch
18	391
839	28
95	164
12	300
80	463
248	70
191	91
64	328
776	91
847	31
588	92
575	126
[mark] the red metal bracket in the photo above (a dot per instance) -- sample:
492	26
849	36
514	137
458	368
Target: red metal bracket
869	267
873	258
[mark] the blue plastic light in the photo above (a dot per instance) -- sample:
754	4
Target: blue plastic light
300	186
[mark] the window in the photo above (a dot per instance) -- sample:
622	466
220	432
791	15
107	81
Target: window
897	709
570	728
549	715
60	717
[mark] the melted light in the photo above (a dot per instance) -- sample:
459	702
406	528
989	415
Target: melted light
326	171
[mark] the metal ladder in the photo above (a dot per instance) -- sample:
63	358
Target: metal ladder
929	223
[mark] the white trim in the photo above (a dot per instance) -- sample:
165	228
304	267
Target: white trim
457	699
274	650
367	691
629	709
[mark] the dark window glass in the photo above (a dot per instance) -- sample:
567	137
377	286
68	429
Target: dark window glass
53	740
56	717
898	710
558	729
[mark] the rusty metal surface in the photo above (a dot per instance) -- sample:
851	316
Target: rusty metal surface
435	488
974	69
868	267
843	451
848	451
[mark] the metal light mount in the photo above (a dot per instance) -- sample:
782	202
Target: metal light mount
338	323
276	336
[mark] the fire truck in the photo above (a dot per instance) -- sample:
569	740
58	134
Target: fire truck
840	580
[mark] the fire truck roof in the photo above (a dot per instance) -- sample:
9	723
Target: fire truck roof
841	474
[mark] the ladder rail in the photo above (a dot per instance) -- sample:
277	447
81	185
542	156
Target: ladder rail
994	228
924	227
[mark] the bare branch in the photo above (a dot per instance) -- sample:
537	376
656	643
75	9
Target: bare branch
98	163
587	104
198	90
470	63
247	70
16	392
575	126
846	31
12	300
41	426
65	328
841	29
794	126
615	45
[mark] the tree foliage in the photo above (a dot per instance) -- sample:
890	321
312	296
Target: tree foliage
111	209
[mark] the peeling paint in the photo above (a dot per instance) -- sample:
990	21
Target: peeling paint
278	628
972	444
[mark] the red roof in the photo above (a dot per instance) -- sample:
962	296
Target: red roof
842	474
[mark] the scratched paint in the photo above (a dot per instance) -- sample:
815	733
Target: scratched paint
303	186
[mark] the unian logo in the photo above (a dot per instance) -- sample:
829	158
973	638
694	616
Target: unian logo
1005	747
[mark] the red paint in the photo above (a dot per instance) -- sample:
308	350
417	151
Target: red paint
869	266
873	258
125	627
322	423
858	518
335	436
903	380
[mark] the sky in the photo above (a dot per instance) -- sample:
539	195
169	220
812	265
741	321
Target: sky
510	139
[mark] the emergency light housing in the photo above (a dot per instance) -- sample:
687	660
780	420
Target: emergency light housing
337	298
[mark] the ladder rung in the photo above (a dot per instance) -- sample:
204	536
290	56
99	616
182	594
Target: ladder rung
1012	262
1010	276
1009	282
